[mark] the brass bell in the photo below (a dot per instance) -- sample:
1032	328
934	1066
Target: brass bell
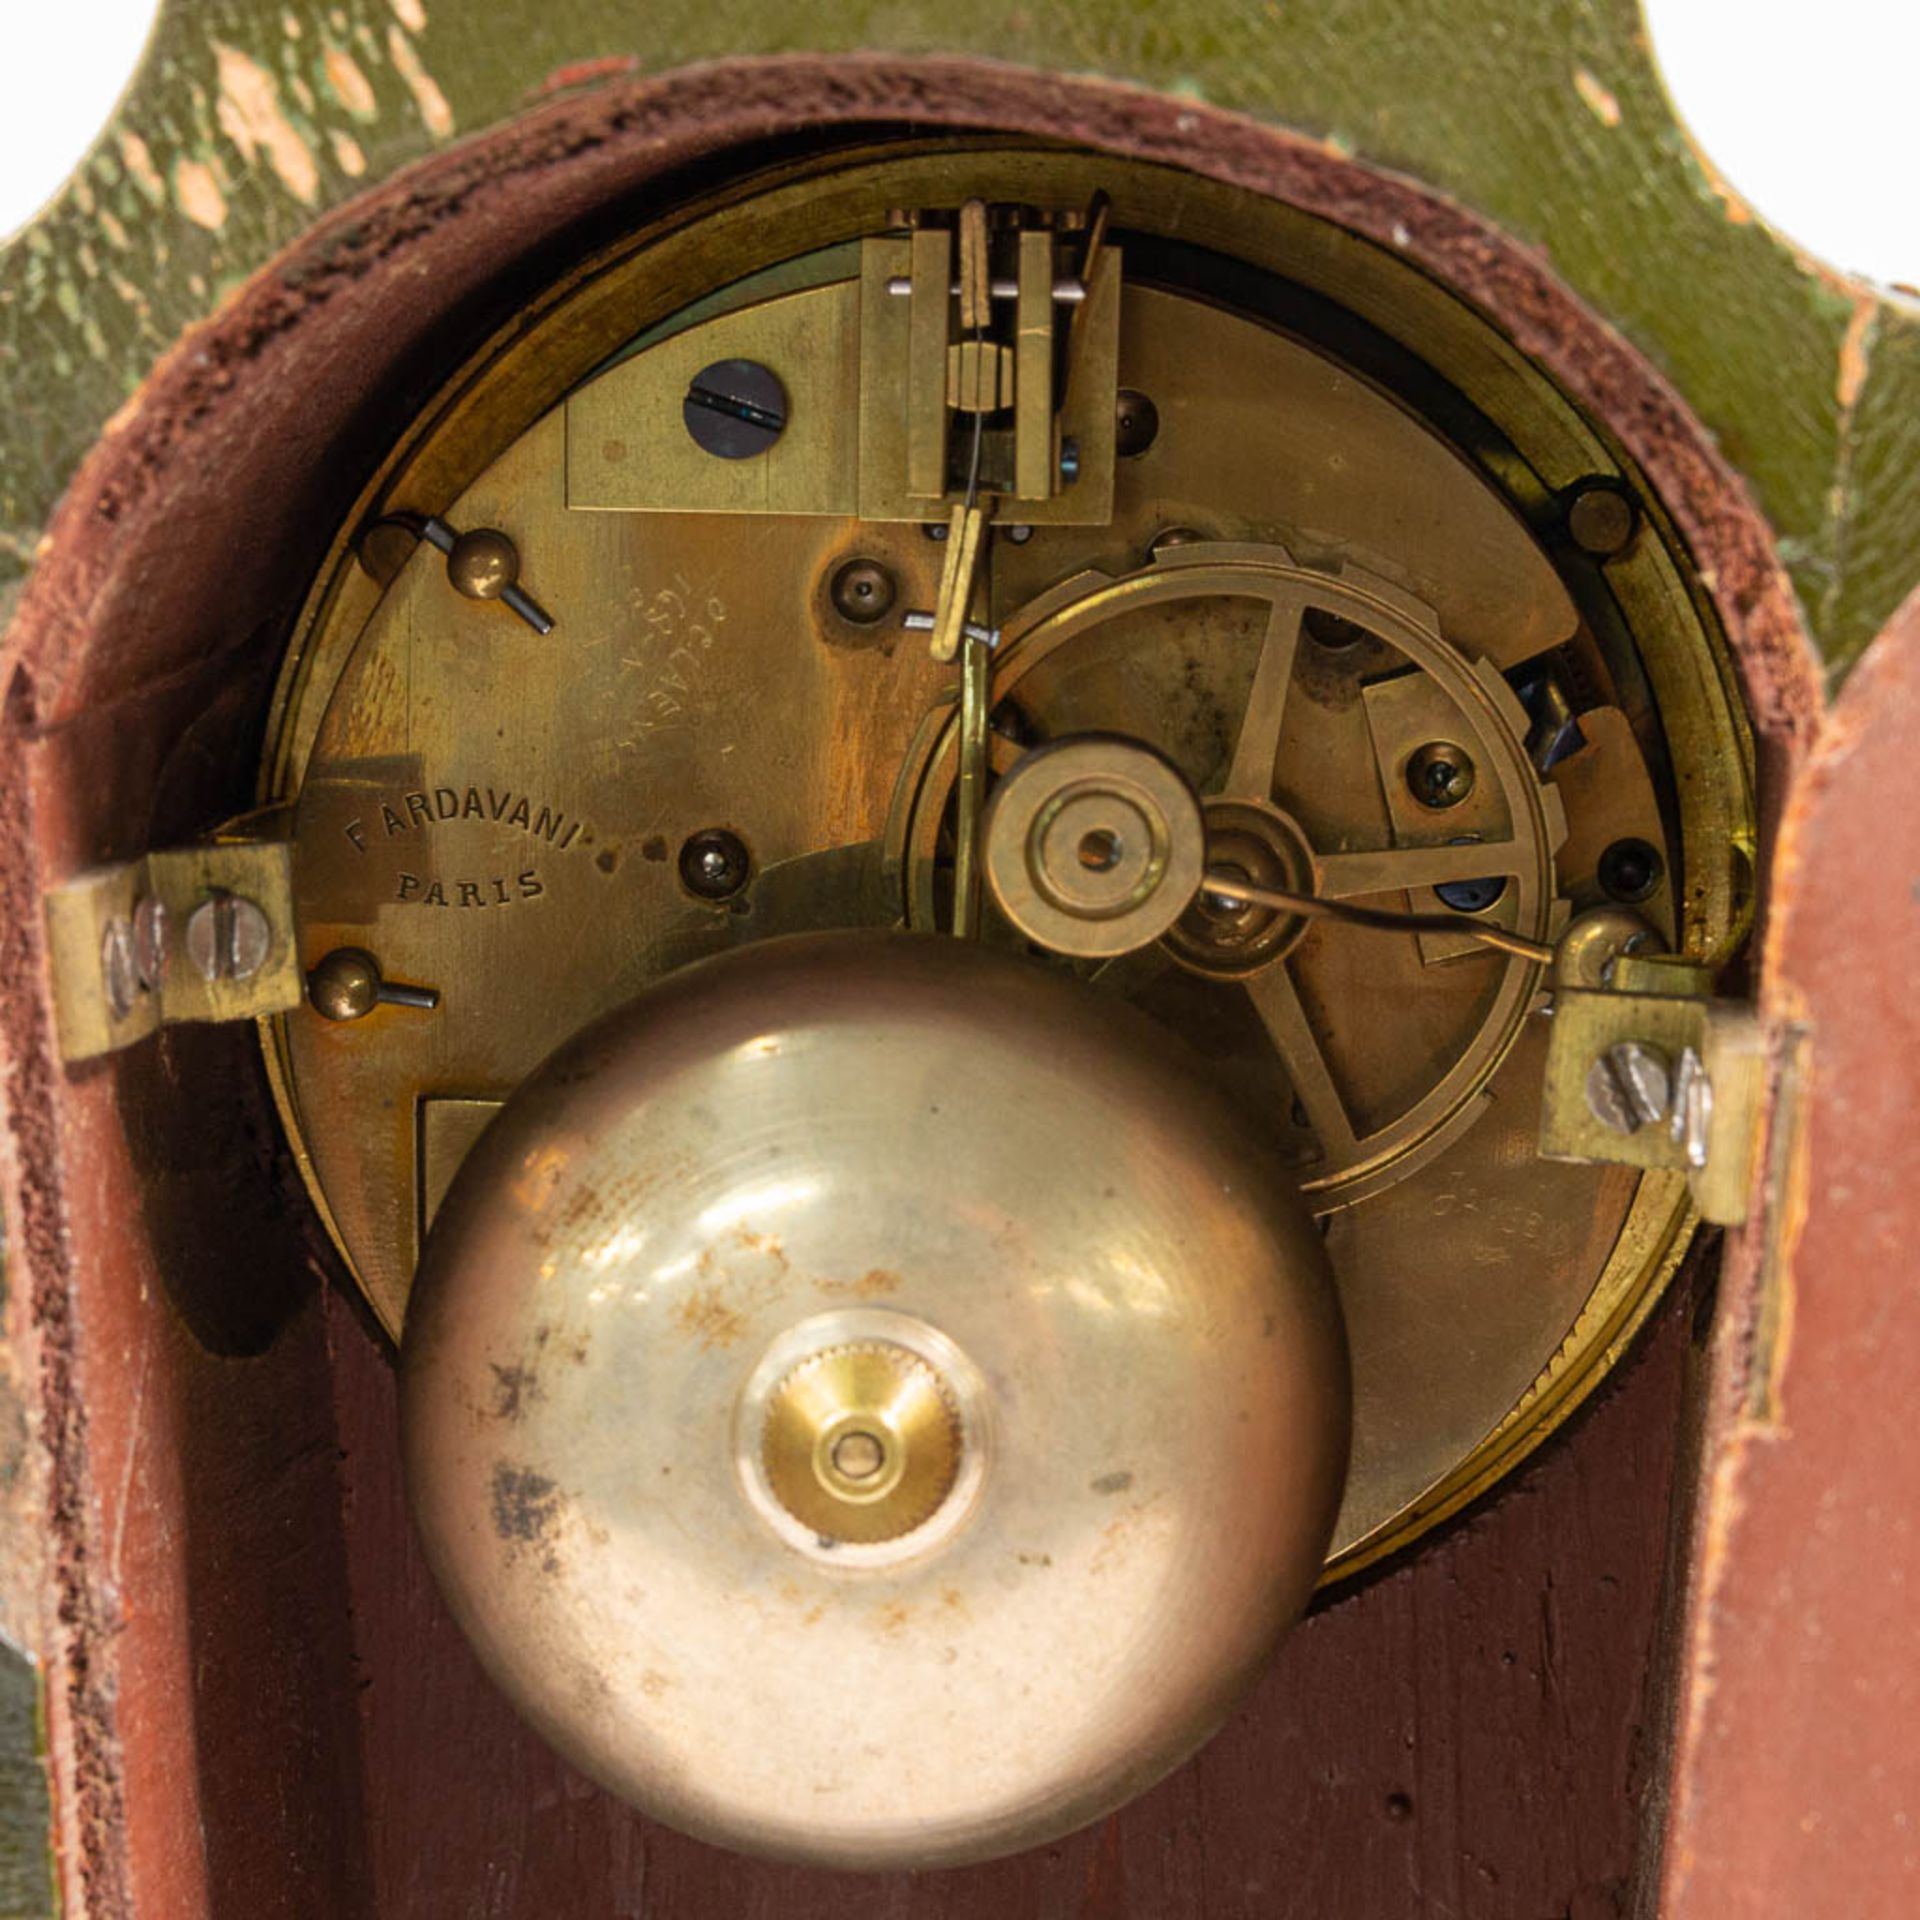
871	1401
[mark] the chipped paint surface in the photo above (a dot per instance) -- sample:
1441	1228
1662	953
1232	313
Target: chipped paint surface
1854	363
198	193
140	168
1853	351
26	1863
427	96
1604	106
350	86
250	116
226	147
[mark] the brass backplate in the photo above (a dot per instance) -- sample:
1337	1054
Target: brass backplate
503	815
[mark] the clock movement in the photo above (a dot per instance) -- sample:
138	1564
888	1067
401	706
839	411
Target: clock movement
969	898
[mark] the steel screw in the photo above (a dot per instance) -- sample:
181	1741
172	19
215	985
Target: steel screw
118	974
1330	631
150	939
1471	896
735	409
1630	870
1440	775
862	591
714	863
228	938
1600	519
1136	423
1629	1087
1692	1108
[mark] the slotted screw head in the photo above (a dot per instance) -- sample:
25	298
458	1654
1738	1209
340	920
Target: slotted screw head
228	938
714	863
1440	774
150	939
118	973
735	409
863	592
1629	1087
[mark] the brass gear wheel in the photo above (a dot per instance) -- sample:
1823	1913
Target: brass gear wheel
1314	778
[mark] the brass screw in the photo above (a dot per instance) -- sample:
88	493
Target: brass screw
483	563
1585	953
386	546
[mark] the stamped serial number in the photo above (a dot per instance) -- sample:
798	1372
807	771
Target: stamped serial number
679	624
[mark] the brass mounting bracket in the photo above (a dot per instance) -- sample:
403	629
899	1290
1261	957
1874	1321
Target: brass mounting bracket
943	346
1658	1079
191	933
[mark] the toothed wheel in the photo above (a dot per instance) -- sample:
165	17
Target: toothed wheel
1343	746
